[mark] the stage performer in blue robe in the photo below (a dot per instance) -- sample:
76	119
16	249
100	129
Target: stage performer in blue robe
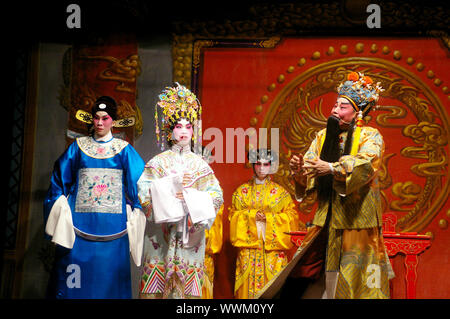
92	212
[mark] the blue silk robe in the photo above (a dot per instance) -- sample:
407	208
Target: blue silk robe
98	178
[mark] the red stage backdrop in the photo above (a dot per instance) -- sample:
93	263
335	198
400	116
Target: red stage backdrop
291	86
109	66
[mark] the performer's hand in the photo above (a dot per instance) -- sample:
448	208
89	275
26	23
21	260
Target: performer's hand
317	167
187	178
298	172
179	195
260	216
148	210
296	164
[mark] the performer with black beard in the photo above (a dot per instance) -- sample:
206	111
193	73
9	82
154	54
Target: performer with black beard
344	253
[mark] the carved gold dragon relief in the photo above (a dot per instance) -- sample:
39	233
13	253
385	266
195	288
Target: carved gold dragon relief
431	138
124	71
298	111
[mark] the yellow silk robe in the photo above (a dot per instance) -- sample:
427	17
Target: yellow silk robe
214	241
259	259
355	244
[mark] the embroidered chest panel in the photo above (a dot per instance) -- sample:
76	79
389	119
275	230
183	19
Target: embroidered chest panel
99	190
169	163
257	196
101	150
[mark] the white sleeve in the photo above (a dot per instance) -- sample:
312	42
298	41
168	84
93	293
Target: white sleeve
136	221
200	206
59	223
166	207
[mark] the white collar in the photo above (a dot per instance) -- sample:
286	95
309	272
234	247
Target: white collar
105	138
176	148
260	182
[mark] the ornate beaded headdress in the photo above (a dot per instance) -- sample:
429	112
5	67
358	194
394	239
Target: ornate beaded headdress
178	102
264	154
360	90
259	154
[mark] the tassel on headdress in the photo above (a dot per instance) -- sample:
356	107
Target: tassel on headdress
363	95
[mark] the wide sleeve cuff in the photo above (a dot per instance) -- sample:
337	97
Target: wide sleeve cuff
136	221
60	225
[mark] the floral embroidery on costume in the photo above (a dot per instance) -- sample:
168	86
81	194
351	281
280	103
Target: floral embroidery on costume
100	190
101	150
172	270
97	192
259	259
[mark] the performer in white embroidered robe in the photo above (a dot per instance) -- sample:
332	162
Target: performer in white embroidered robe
180	197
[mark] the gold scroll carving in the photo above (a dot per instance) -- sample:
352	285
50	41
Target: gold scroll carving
298	111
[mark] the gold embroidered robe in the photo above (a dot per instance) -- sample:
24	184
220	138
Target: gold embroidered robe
214	241
260	258
355	243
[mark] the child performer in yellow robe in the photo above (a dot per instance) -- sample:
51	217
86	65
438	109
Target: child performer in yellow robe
261	212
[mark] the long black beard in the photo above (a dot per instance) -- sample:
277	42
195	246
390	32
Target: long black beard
331	153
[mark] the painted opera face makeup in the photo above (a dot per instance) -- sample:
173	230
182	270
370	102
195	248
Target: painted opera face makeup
182	132
262	169
344	111
102	123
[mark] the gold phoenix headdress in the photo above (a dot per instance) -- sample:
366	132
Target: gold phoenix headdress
178	102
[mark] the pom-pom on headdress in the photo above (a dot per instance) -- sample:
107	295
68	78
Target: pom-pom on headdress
363	94
360	90
178	102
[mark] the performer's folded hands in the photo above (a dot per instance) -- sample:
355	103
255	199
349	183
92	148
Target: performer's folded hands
316	168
